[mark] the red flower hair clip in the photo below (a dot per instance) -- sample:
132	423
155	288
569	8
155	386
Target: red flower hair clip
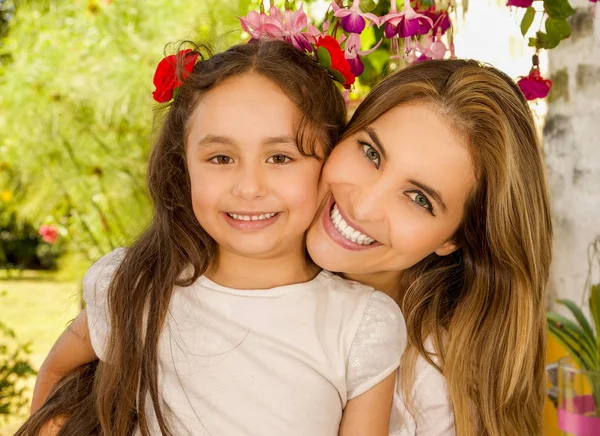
166	79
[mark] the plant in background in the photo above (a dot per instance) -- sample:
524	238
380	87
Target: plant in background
581	337
15	371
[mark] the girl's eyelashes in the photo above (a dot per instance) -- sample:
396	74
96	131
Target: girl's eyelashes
221	159
279	159
370	153
421	200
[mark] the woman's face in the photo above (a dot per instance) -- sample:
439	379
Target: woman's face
396	193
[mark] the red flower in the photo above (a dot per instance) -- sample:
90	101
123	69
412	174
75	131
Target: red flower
331	56
165	78
49	234
520	3
534	85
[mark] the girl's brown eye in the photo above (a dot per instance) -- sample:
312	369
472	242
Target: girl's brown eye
279	159
221	159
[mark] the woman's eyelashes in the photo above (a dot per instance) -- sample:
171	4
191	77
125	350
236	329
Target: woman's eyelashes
421	200
370	153
222	159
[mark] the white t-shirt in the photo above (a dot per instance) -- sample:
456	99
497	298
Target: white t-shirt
281	361
432	410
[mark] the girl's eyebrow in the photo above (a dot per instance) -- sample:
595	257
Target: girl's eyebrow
225	140
376	140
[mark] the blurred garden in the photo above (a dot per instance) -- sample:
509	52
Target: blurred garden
76	127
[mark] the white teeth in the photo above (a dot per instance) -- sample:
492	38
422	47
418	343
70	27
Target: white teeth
252	217
347	231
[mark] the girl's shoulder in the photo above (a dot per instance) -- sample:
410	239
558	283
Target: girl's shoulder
99	275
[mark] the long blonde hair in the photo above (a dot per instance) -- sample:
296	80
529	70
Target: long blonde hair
482	306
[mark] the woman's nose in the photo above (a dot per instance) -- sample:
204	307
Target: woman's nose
368	203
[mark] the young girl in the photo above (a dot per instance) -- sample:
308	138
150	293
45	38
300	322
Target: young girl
215	321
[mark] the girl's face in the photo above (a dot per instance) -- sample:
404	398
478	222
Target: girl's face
397	192
252	190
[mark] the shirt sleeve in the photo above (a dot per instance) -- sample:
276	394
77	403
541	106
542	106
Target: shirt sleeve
377	346
95	293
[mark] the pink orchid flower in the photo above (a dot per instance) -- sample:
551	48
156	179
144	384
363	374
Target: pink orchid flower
352	53
353	19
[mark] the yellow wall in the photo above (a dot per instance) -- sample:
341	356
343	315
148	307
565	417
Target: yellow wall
555	351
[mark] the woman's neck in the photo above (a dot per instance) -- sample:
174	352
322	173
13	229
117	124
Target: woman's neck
242	272
386	282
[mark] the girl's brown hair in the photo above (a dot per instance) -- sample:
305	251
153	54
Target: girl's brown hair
140	292
483	306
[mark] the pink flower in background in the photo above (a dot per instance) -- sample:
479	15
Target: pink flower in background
520	3
352	53
49	234
534	85
353	19
408	22
390	30
441	20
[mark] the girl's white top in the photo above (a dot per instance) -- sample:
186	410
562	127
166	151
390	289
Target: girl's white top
432	413
281	361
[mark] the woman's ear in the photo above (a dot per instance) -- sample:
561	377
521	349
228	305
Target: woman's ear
447	248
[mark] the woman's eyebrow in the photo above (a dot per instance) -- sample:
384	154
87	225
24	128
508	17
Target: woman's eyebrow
376	140
432	192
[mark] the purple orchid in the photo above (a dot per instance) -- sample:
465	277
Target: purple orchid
353	19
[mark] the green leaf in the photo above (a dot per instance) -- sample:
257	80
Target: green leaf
527	20
324	57
367	5
571	345
558	29
579	316
595	309
544	40
337	76
558	9
532	42
586	342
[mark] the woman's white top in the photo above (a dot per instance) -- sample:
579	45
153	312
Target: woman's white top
281	361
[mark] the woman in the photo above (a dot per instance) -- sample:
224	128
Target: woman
437	196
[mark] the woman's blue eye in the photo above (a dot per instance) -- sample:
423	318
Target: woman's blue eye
420	199
371	153
279	159
221	159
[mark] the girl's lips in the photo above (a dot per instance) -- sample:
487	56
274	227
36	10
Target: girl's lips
249	226
336	236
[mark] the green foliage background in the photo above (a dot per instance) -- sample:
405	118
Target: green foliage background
76	108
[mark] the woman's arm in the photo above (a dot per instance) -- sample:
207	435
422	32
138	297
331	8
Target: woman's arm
369	413
72	349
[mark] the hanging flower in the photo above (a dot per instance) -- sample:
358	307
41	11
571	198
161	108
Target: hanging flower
353	19
49	234
534	85
390	30
352	53
441	19
520	3
331	56
165	77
